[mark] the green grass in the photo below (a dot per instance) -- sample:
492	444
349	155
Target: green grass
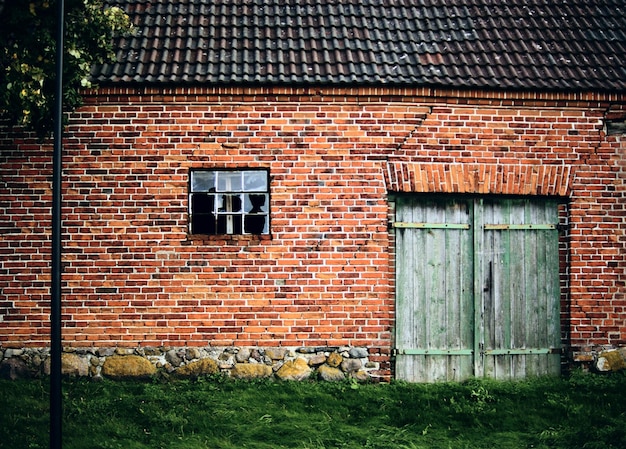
582	411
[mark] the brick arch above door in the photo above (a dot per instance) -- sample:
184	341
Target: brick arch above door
503	179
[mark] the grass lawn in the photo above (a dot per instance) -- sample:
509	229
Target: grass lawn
581	411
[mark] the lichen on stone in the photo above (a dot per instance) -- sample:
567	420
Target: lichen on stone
297	369
611	361
128	366
250	371
330	374
203	367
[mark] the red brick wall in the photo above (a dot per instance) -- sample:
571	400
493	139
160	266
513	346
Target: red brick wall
134	276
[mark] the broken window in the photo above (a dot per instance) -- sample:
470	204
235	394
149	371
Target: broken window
229	202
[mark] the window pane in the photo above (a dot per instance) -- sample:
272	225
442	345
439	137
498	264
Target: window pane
203	224
255	224
229	203
229	181
202	216
202	181
255	181
202	203
229	224
255	203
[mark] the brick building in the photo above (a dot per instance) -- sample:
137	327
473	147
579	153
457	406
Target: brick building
435	190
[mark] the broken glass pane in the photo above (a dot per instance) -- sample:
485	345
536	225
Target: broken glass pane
229	203
202	203
255	224
229	224
202	218
255	203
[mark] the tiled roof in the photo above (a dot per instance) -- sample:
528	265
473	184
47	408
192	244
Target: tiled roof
510	44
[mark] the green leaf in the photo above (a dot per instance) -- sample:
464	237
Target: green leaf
28	52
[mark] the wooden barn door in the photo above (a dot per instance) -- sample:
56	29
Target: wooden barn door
434	289
518	288
477	288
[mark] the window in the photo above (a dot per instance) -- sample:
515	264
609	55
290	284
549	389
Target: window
229	202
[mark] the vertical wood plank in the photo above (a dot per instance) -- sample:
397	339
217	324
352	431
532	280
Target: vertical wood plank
405	314
480	284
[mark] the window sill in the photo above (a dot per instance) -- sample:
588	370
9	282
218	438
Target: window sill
228	238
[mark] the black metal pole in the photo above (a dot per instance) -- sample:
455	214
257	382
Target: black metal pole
56	345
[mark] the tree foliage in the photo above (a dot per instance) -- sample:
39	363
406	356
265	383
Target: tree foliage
28	53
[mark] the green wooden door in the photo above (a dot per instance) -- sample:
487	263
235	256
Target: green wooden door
476	287
518	291
434	288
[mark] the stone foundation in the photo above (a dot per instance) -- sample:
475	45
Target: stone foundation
323	363
319	363
600	358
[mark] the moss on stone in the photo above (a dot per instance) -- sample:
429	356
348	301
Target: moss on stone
330	374
334	360
614	360
297	369
203	367
128	366
250	371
